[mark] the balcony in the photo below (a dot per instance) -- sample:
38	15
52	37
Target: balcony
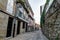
24	17
20	14
23	3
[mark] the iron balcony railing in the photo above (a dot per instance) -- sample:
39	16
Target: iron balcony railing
21	15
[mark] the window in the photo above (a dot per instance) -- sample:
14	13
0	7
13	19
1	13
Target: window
18	28
10	6
9	27
20	14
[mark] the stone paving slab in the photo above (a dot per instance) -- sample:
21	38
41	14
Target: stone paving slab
37	35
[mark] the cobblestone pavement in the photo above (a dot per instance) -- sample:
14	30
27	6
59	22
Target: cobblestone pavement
37	35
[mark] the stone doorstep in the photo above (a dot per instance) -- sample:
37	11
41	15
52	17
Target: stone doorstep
7	38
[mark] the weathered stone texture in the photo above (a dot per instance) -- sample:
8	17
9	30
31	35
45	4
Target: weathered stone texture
52	22
3	24
53	26
3	4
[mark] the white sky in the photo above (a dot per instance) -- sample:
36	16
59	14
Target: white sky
35	4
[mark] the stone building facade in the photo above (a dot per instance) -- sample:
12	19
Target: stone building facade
51	26
37	26
14	18
31	23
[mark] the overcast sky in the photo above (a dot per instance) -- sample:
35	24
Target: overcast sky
35	4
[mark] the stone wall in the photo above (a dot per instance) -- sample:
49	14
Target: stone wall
3	4
3	24
52	22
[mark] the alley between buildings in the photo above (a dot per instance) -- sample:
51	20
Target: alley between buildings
36	35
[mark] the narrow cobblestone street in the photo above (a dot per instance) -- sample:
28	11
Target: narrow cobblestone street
37	35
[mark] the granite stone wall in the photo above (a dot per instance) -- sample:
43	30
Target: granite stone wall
3	24
52	22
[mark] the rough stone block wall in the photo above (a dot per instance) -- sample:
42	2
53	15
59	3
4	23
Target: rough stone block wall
3	24
53	27
3	4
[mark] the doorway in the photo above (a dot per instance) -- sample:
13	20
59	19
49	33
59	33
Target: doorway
23	25
14	30
18	28
9	27
26	27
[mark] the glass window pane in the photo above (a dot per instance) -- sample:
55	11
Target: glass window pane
10	6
